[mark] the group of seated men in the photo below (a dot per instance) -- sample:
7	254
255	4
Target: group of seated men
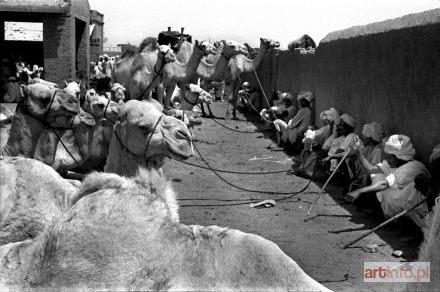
376	170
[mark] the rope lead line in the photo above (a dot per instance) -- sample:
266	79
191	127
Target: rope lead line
248	190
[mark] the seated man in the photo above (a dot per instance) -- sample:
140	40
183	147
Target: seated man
321	135
393	178
296	127
430	187
282	108
249	97
341	144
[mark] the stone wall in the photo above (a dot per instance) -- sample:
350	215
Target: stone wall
385	72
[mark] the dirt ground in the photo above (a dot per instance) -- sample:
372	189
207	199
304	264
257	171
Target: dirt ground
314	244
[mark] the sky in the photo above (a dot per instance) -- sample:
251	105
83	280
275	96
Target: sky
130	21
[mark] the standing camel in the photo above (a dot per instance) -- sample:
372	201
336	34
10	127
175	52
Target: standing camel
238	65
183	69
147	69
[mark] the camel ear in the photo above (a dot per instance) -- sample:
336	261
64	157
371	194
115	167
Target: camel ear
261	40
197	43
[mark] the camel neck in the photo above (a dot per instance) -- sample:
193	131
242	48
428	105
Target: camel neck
120	161
245	64
47	145
183	71
215	71
24	134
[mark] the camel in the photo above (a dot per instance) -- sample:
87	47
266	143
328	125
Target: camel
144	136
117	92
40	106
428	252
6	117
123	234
238	65
121	71
183	70
105	113
192	96
77	139
32	196
73	88
217	67
147	69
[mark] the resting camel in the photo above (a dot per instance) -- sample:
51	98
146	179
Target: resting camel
105	113
183	69
147	69
238	65
77	139
184	103
39	106
123	234
144	136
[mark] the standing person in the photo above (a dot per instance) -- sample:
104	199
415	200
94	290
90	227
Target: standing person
101	64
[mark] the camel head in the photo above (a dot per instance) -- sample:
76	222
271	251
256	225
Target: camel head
72	87
118	92
166	54
233	48
47	103
206	47
195	94
100	107
146	131
269	44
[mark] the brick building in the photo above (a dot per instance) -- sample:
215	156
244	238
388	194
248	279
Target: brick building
96	35
64	49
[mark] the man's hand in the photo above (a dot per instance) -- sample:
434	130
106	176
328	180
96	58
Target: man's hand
421	183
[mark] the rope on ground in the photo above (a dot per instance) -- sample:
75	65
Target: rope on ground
230	171
249	190
238	131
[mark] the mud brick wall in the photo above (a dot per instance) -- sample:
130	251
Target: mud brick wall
387	72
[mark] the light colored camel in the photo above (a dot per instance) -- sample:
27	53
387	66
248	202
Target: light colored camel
40	106
123	234
144	136
32	195
183	70
238	65
189	98
429	252
121	70
73	88
217	67
117	92
147	69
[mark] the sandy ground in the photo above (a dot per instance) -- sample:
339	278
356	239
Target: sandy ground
315	244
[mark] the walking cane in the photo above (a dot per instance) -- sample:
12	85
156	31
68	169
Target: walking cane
384	223
328	180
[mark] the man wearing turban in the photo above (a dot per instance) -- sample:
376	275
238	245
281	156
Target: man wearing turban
393	178
322	135
297	126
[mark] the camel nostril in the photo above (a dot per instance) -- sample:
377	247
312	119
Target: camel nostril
183	134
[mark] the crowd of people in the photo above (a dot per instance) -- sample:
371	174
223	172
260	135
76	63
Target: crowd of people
104	65
15	73
377	172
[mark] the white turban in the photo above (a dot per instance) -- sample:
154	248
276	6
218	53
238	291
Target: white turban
330	115
401	146
348	120
374	131
435	154
306	95
286	95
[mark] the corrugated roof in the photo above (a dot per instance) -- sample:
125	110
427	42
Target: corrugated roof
43	6
407	21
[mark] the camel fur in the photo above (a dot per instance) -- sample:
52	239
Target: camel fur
122	234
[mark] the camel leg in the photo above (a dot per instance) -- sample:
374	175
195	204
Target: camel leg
233	89
168	93
160	92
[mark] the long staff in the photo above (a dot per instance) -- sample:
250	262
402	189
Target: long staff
326	183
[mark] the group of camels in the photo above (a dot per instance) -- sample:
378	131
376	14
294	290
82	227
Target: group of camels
162	69
119	229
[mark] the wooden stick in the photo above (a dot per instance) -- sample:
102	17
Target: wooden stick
384	223
327	182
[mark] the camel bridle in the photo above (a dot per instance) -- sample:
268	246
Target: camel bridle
124	147
158	73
